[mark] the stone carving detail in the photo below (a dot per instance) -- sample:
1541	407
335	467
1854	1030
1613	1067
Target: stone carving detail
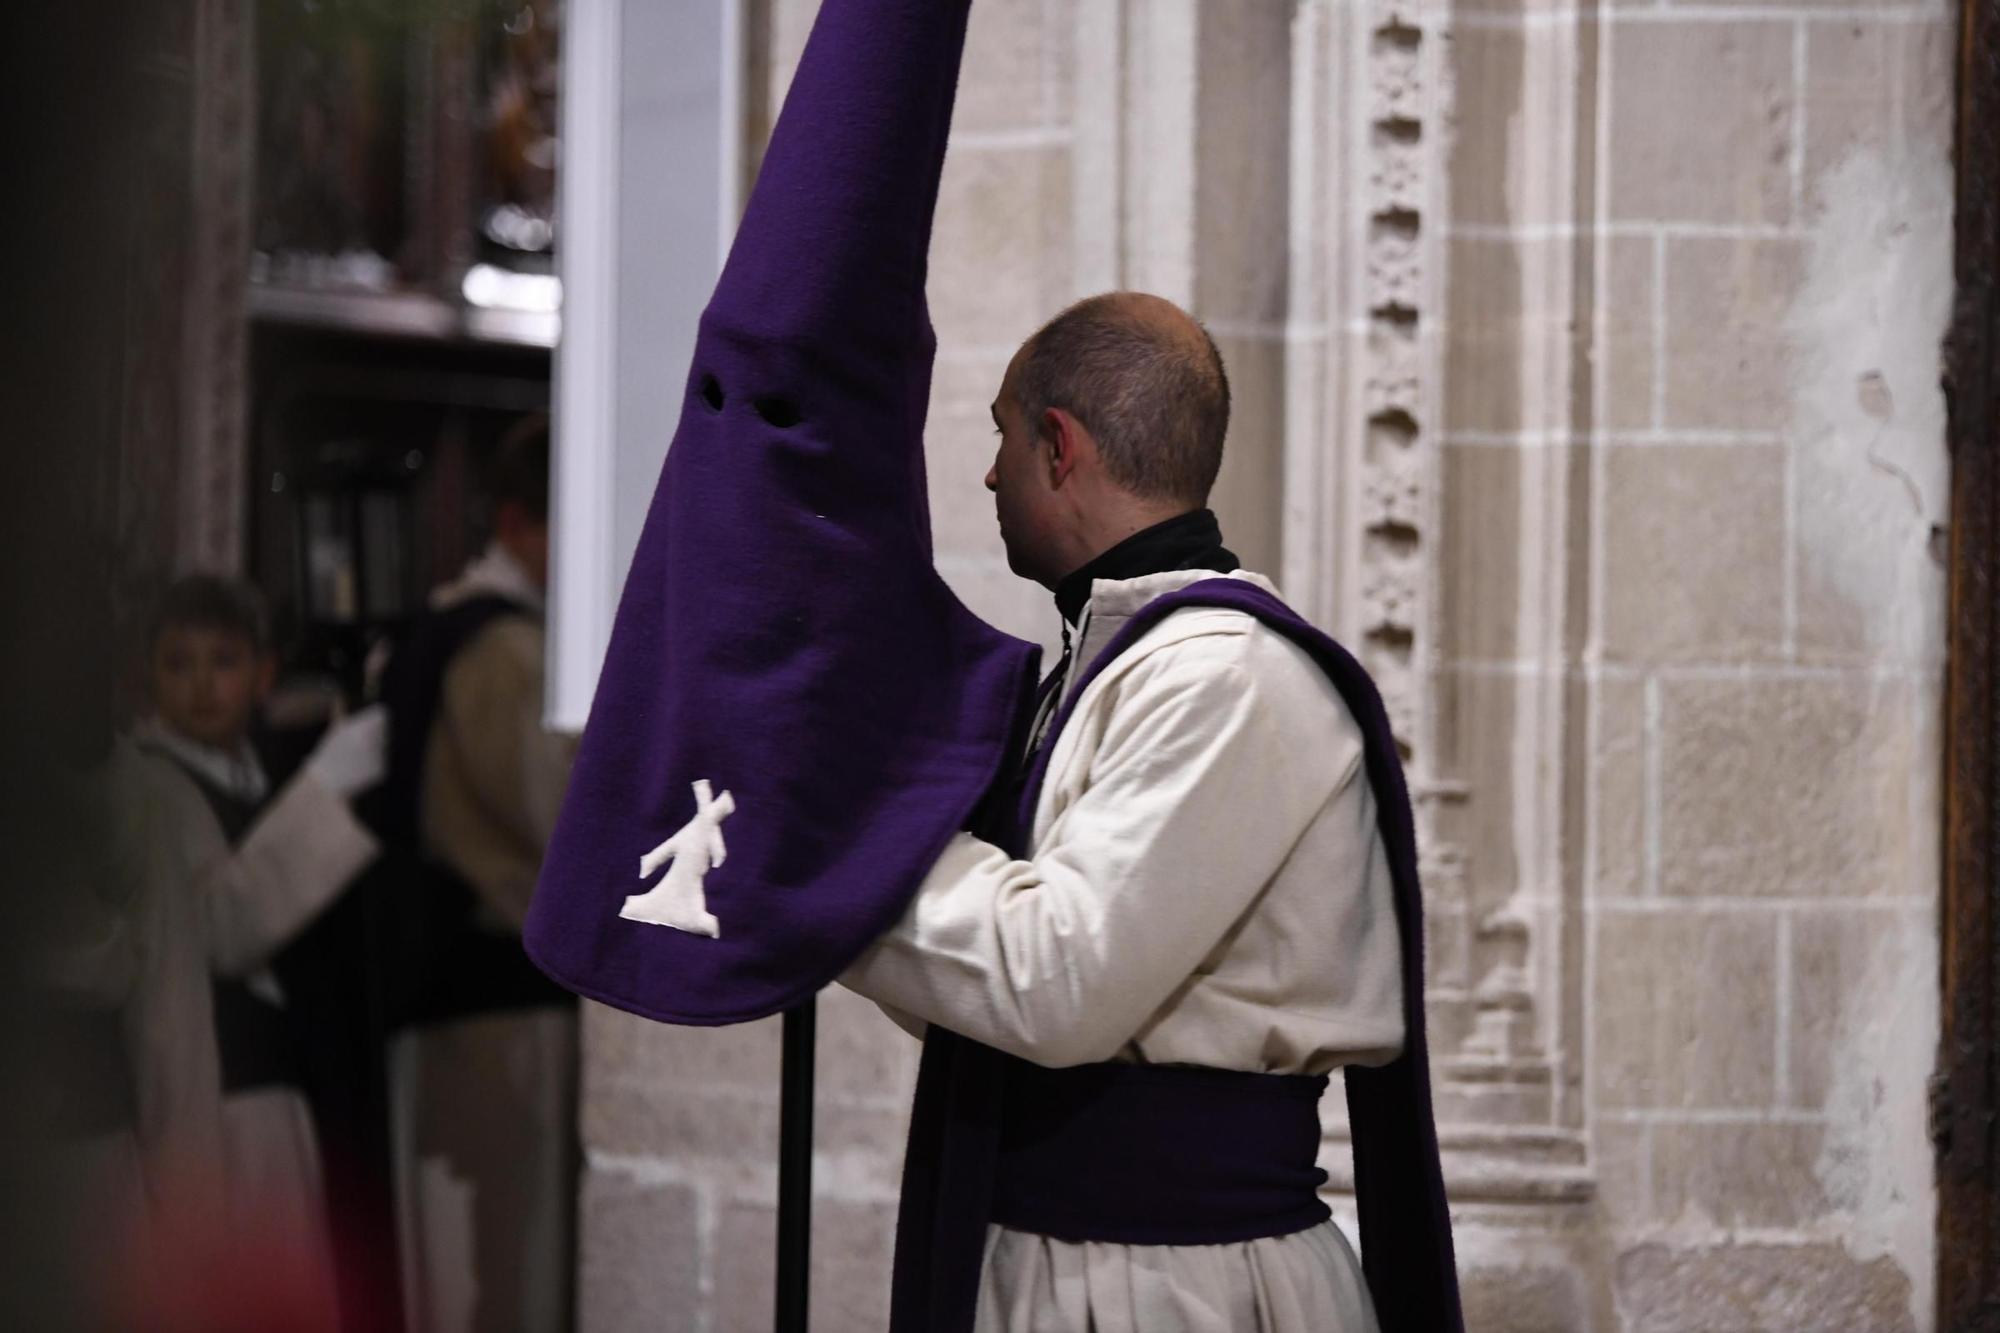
1395	64
1389	599
1399	701
1395	263
1392	375
1503	1001
1390	497
1491	1066
1395	175
1396	439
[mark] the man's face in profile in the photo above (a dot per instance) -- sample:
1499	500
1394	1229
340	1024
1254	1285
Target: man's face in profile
1023	497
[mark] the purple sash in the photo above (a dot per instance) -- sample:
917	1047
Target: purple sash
1158	1154
971	1118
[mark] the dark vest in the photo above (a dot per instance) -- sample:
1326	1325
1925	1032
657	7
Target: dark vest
1173	1155
439	961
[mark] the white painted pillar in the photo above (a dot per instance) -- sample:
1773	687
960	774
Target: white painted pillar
652	151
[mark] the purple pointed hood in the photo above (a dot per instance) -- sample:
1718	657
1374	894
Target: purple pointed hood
783	639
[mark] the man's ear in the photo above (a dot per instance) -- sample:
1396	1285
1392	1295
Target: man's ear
1065	436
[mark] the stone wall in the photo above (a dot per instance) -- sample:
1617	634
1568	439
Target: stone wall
1699	270
1586	374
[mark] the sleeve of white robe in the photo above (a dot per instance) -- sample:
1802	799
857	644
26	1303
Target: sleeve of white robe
298	855
1205	777
168	1026
169	1032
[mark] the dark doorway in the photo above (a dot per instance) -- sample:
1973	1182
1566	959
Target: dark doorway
1966	1105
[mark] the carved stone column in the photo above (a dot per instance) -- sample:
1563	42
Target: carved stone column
1374	550
1361	432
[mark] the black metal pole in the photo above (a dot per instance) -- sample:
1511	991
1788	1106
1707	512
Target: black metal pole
795	1136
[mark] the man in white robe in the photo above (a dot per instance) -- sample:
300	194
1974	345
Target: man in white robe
1205	883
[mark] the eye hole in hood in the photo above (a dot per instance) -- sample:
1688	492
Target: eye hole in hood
711	392
777	410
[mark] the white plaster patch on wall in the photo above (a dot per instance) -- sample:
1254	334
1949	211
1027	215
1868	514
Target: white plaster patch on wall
1868	412
1871	485
1876	1165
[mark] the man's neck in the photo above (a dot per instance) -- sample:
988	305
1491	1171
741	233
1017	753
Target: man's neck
1188	540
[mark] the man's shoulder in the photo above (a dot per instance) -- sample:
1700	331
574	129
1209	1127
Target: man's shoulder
153	797
1206	631
519	633
140	768
509	645
1227	650
1227	640
1242	675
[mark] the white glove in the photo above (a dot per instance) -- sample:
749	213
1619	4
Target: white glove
354	753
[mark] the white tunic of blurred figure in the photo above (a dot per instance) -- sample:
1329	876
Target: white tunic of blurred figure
486	1104
258	866
134	1153
257	896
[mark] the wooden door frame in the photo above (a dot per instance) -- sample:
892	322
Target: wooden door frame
1966	1091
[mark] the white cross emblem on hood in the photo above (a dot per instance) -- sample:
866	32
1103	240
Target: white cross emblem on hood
677	900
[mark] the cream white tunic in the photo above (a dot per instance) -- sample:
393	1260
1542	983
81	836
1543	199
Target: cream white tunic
256	896
1206	886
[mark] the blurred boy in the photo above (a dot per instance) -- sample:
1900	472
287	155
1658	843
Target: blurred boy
260	865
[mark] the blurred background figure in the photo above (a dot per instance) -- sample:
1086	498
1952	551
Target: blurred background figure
483	1071
116	1117
262	851
290	275
402	306
402	300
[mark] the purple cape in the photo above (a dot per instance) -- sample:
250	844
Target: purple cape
783	636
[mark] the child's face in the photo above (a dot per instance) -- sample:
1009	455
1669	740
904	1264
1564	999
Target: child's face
207	682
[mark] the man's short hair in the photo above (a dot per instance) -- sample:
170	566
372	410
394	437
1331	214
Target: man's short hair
1151	392
521	466
210	602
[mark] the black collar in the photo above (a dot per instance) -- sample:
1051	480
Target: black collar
1186	541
